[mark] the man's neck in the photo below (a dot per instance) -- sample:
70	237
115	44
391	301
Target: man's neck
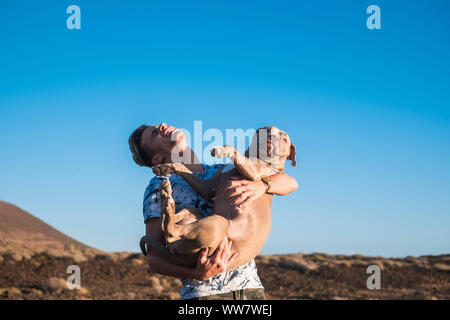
191	161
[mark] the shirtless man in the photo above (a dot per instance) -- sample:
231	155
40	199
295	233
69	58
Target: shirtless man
210	278
187	232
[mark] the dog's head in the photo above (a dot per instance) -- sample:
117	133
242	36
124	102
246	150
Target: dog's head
273	146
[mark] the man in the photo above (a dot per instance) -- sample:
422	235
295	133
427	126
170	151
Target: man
210	279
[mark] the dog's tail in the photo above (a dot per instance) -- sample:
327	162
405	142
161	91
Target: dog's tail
147	241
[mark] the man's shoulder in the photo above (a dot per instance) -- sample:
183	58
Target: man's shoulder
154	183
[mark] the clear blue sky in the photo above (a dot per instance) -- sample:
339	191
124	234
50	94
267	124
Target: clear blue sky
369	111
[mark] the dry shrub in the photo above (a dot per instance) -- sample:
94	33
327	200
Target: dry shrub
318	257
264	259
422	263
123	255
82	291
131	295
296	262
356	256
379	263
176	282
154	281
104	256
90	253
10	293
17	257
393	263
58	254
56	284
79	257
359	263
132	256
156	287
441	267
172	295
36	293
344	263
7	249
137	261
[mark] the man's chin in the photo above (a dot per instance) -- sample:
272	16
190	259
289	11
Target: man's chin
179	143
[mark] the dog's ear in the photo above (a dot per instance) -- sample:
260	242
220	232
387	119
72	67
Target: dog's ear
292	155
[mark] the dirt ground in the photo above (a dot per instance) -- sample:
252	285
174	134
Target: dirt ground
296	276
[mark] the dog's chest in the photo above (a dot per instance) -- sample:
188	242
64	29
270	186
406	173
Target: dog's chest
221	205
227	172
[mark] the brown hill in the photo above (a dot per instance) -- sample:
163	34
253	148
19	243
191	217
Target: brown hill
21	232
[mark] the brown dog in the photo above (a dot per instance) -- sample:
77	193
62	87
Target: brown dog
188	232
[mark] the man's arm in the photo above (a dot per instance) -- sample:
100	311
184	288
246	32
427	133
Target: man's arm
238	192
205	268
203	187
282	184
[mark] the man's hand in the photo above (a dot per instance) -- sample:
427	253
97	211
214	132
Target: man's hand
239	192
219	261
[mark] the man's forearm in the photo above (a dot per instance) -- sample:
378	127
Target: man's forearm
156	261
161	266
282	184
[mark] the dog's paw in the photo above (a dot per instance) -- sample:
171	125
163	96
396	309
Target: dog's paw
218	151
163	169
222	151
156	171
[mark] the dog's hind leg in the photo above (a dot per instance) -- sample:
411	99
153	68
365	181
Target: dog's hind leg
188	215
172	231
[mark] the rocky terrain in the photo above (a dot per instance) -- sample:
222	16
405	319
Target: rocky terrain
297	276
34	266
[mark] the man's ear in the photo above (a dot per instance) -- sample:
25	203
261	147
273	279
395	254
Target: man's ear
157	159
292	155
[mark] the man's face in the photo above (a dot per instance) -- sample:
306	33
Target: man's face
161	139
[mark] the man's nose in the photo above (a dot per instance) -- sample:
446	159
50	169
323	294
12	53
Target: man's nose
162	126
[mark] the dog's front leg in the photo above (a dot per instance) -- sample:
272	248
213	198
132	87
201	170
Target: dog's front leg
251	169
168	168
